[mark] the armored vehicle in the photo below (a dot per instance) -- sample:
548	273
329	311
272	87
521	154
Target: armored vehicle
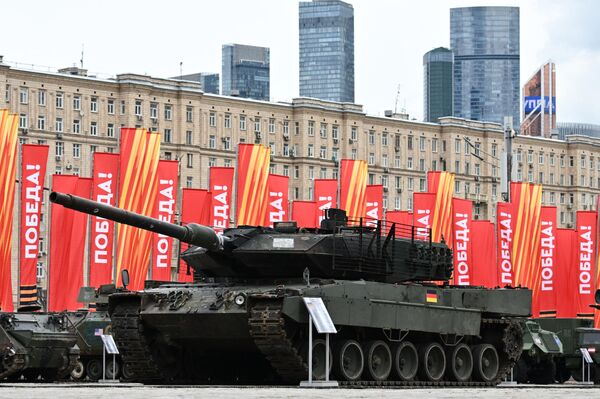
90	324
243	320
36	345
575	334
541	351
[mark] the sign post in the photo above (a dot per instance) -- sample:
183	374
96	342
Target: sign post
318	315
110	347
586	358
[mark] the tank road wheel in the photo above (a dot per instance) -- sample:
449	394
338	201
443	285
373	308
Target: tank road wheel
486	361
78	373
378	360
109	370
318	358
94	369
432	361
406	361
126	372
348	360
461	363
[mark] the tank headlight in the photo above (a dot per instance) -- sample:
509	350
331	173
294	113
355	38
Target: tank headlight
240	299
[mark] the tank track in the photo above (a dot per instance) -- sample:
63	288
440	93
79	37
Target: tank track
267	328
133	346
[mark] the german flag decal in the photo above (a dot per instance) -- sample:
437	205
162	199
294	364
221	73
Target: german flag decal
431	296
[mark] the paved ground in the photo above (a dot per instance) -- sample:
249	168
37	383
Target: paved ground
66	391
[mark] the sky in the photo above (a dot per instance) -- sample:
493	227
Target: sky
153	37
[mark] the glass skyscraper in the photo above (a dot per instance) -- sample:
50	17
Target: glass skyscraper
327	50
246	71
209	81
437	86
485	42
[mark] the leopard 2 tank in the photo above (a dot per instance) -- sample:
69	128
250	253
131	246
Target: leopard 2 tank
243	319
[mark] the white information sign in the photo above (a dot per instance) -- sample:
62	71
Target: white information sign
320	315
109	344
586	355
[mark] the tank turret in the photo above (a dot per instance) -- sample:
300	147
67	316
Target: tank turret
341	248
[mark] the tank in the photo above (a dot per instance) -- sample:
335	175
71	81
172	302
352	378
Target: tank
243	320
541	351
89	325
37	345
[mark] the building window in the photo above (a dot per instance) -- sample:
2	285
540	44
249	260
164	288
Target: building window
335	154
77	103
409	163
311	128
411	184
94	128
384	161
76	126
286	128
227	163
226	143
212	161
323	152
384	139
354	133
168	112
371	137
122	107
23	121
41	122
94	104
296	172
189	182
58	125
110	130
59	148
434	145
421	143
286	170
311	151
154	110
409	143
189	114
190	160
257	125
354	154
110	107
477	170
422	165
93	149
323	131
242	122
168	136
42	98
7	94
138	108
397	162
311	172
371	158
286	150
530	156
227	121
76	150
24	95
59	100
188	137
271	125
457	146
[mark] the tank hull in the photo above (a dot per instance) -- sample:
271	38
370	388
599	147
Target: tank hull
221	325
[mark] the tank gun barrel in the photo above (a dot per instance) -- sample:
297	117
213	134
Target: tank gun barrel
193	234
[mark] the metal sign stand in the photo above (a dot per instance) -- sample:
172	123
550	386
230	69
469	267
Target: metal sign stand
324	325
509	379
586	358
110	347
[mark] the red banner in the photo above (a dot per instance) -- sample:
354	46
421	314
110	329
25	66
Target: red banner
325	196
353	187
423	214
403	220
278	205
8	172
252	184
195	208
140	151
33	171
104	189
586	259
304	213
483	254
221	184
442	185
504	241
374	205
566	272
68	230
545	306
461	222
166	199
